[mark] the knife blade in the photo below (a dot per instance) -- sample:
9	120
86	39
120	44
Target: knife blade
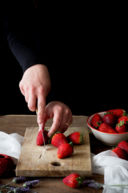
41	127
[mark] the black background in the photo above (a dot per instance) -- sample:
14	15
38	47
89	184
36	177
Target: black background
91	78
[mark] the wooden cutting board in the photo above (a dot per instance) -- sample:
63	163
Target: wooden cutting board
35	161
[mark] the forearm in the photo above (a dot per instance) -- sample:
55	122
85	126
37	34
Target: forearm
22	37
25	55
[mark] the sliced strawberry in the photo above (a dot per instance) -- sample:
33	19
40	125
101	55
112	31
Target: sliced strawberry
40	140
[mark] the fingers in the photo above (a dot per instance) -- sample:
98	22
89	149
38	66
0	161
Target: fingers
35	99
62	117
66	121
35	86
31	99
56	123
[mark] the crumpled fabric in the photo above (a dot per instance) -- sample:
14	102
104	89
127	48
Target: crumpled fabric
114	169
10	144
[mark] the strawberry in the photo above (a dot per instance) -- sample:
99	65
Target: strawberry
65	150
40	140
58	139
6	164
123	118
73	180
117	112
109	118
120	153
76	138
96	120
121	127
123	145
104	127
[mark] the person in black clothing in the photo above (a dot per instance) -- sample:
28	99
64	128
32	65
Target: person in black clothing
76	54
24	39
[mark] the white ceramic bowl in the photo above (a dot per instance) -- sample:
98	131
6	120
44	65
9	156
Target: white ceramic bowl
107	138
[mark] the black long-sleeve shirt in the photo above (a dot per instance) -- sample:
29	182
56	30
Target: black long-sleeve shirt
81	52
22	31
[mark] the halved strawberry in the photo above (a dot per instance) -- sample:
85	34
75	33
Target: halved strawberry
40	140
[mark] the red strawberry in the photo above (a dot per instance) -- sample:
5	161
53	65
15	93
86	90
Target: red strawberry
96	120
6	164
121	127
40	140
117	112
123	145
106	128
58	139
123	118
74	180
64	150
120	153
76	138
109	118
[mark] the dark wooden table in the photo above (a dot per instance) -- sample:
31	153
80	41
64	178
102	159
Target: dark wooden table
18	124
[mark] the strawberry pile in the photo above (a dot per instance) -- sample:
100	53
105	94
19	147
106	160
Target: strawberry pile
60	141
113	121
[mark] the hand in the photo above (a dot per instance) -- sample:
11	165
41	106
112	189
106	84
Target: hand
61	114
35	86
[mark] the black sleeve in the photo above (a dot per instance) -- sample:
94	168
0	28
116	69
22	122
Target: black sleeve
21	33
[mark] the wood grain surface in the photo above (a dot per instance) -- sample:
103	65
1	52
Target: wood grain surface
42	161
19	123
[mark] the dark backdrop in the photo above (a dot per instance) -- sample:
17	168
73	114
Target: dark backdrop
90	75
98	86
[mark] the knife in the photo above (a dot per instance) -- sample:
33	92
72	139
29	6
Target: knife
41	127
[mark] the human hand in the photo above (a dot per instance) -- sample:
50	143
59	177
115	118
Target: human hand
35	86
61	114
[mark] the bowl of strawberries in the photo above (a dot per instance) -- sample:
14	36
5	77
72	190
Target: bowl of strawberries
110	126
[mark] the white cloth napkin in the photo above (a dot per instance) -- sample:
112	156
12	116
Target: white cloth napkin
10	144
114	169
